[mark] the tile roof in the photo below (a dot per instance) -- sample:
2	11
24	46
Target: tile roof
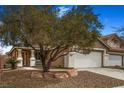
101	39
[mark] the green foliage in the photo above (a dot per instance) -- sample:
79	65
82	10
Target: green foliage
28	24
11	61
78	29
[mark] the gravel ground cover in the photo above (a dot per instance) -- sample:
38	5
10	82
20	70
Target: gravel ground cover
85	79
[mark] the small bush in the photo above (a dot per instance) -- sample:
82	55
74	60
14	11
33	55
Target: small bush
12	62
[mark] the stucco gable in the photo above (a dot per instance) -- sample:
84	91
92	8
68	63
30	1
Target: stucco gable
99	44
113	40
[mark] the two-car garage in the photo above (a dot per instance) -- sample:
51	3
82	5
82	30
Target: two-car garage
107	51
94	59
77	60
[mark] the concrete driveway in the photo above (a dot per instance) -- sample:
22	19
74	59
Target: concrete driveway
114	73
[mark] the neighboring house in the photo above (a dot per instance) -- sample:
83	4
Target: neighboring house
108	51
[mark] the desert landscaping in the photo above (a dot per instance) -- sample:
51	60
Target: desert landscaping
84	79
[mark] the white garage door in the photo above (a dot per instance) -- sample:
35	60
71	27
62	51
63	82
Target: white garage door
94	59
114	60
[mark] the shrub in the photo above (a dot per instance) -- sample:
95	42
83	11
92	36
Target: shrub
12	62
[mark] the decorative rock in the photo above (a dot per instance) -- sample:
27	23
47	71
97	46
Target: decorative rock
49	75
36	75
72	72
61	75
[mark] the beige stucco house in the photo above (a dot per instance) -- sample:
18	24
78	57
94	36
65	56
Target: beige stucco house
108	51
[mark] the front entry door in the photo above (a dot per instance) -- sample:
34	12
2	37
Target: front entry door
26	61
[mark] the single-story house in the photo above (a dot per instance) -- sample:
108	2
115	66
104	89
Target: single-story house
108	51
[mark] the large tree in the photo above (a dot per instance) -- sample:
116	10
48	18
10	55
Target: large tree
75	31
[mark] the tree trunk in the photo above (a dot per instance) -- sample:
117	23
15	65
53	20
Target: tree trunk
45	69
46	62
46	65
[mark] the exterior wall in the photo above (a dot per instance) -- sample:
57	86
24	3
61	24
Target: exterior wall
66	60
69	60
106	59
59	62
14	54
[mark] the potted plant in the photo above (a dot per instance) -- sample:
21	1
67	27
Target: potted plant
13	63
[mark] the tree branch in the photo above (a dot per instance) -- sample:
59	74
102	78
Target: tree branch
60	56
59	51
55	49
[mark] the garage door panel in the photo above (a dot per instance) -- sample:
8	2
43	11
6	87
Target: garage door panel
114	60
90	60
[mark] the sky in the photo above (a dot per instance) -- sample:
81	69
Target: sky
109	16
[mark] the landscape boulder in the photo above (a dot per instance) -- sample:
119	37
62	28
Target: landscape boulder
61	75
49	75
72	72
36	75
